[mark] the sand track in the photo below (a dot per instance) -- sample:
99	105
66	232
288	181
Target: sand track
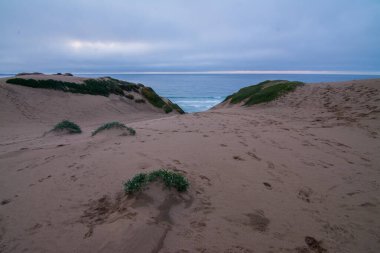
300	174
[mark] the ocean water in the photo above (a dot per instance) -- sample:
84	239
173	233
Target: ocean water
200	92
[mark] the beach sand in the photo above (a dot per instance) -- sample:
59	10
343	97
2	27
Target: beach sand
300	174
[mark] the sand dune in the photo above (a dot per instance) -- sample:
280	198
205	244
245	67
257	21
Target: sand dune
300	174
41	109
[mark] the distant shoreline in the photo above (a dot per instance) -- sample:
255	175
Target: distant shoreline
200	92
232	72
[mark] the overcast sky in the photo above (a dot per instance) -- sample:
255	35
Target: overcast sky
189	35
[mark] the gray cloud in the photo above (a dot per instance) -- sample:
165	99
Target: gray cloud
178	35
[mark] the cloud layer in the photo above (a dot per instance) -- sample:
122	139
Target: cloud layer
177	35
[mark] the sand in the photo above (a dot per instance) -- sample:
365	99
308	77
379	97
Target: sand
300	174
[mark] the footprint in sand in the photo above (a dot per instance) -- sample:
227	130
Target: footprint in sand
5	201
199	226
304	194
253	155
44	178
243	143
71	165
177	162
236	157
267	185
238	249
270	165
206	179
258	221
49	158
34	228
314	245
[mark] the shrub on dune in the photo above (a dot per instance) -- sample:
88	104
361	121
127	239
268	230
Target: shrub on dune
263	92
169	178
68	126
114	125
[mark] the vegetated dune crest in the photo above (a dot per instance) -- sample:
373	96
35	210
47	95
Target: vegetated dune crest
37	104
297	174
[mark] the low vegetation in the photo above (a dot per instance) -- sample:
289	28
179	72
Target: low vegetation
177	108
101	86
29	73
124	85
152	97
68	126
157	101
169	178
114	125
263	92
90	86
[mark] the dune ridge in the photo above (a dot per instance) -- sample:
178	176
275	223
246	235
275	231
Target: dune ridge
297	174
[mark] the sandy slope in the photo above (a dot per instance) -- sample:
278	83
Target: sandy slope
41	109
262	178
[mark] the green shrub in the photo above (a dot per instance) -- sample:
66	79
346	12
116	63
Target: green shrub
158	102
114	125
177	108
152	97
68	126
127	86
167	109
263	92
169	178
90	86
103	87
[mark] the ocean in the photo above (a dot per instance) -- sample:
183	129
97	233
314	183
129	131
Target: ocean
199	92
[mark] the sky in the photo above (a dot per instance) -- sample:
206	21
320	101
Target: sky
118	36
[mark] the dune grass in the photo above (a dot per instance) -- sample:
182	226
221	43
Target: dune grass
114	125
68	126
263	92
177	108
104	86
90	86
158	102
152	97
169	178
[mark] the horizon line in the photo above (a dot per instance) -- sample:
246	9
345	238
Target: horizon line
295	72
221	72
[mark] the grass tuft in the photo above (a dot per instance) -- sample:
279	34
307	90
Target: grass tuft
169	178
114	125
68	126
